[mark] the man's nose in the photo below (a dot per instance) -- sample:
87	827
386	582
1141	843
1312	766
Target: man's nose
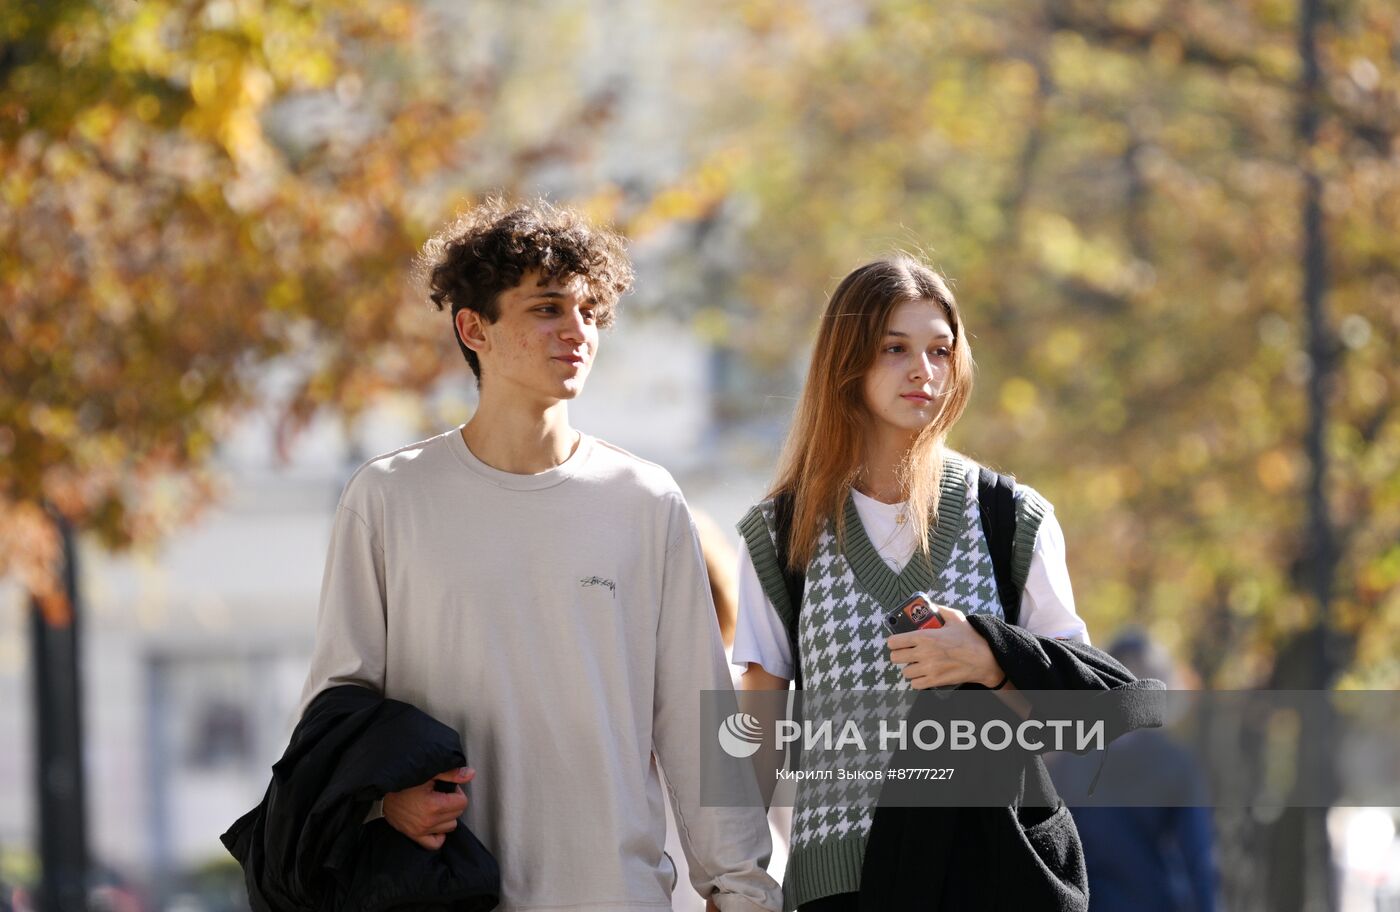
575	326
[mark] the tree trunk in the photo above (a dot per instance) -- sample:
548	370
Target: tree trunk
58	726
1300	875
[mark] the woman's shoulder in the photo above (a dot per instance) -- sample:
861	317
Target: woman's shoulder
1028	499
759	521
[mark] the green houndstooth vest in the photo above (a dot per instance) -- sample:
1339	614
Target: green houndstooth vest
841	640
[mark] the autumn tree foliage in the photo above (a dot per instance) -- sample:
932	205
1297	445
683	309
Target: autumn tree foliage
1116	190
190	192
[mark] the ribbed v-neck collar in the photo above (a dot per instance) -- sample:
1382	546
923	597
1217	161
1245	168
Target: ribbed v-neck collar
890	589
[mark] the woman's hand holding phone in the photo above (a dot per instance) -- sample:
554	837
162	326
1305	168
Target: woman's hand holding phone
954	653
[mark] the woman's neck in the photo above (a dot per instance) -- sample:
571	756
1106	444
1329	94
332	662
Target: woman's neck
879	475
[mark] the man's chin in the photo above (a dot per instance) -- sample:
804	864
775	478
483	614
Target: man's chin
571	389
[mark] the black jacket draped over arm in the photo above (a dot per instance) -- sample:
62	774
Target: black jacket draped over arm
306	847
1025	855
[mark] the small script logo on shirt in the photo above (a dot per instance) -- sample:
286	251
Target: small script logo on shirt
589	582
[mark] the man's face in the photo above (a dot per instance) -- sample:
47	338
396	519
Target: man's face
542	343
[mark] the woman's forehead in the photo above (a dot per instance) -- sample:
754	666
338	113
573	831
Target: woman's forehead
924	317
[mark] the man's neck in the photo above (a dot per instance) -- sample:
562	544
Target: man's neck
520	441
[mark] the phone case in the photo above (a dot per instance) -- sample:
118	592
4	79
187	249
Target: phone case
917	613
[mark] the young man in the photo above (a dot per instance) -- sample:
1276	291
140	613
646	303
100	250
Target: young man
542	592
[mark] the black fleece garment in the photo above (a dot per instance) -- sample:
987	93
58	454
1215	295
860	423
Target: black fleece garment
305	848
1025	855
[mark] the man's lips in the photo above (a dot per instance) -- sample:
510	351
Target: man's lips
569	359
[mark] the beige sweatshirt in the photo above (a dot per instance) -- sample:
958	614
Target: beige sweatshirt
562	623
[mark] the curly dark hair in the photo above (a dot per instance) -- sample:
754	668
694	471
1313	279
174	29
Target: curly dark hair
489	248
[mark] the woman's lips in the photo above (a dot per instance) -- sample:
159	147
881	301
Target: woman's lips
917	397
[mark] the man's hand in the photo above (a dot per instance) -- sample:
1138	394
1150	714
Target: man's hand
425	815
952	654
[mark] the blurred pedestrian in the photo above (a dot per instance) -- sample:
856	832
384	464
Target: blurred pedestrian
1142	859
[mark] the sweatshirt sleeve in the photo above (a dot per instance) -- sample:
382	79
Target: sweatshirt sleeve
727	848
350	622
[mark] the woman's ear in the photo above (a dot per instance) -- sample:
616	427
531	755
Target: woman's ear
471	329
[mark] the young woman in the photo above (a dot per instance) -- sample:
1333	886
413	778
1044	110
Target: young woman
881	509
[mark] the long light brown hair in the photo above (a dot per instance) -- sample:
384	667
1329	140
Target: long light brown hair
826	447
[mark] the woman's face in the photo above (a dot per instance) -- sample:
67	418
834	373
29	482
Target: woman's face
905	385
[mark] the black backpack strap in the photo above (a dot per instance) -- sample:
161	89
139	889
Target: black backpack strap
997	503
794	581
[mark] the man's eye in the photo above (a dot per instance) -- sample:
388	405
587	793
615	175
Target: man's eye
588	316
547	309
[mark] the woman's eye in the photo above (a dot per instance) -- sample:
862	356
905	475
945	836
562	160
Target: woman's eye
894	349
943	352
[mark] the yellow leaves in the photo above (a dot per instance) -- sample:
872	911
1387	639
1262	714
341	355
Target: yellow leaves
1017	78
1210	498
1098	261
147	108
1192	453
285	294
1278	470
57	422
1246	597
396	20
713	325
95	123
1018	397
1058	242
1166	50
1381	575
211	75
62	162
1104	489
1063	348
138	43
693	197
1110	415
1370	387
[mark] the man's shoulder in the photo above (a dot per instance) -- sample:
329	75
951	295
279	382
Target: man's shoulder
618	466
406	465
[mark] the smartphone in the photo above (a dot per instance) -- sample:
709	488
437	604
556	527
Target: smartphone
917	613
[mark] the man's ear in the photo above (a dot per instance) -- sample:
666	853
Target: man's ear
471	329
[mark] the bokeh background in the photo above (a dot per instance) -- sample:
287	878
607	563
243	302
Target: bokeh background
1172	226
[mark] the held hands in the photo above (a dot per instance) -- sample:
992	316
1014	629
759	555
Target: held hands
426	816
952	654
